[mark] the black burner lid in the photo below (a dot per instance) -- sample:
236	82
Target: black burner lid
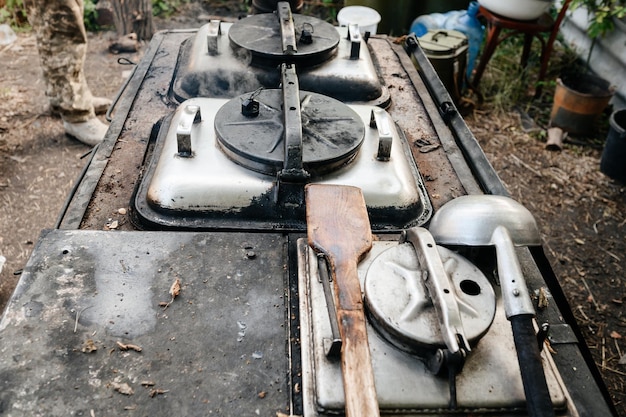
262	37
331	132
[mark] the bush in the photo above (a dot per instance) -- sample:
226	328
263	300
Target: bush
13	13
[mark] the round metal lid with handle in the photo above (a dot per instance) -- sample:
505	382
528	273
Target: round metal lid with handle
402	310
272	39
332	132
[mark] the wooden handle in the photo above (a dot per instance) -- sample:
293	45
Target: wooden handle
356	361
338	226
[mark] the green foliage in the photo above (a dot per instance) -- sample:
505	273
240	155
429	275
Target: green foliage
331	7
90	15
14	14
165	8
601	15
325	9
506	85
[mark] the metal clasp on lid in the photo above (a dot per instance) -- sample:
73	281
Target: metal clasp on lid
213	36
190	116
381	120
354	36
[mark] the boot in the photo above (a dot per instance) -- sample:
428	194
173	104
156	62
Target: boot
90	132
101	104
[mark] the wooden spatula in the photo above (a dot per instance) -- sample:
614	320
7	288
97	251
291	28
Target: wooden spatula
338	227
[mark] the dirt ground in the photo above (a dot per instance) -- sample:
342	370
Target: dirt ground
581	212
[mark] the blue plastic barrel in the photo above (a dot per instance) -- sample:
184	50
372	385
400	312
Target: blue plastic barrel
467	23
422	24
464	21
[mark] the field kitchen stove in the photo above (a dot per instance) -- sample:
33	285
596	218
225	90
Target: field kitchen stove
181	278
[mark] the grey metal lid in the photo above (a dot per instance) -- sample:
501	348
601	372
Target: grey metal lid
401	309
443	42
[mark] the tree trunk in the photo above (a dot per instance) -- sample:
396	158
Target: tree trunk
133	16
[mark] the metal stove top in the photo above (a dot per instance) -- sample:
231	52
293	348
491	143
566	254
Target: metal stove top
226	60
243	162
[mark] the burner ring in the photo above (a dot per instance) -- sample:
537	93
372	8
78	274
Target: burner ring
399	308
332	133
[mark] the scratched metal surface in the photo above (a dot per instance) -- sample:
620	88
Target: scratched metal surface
220	347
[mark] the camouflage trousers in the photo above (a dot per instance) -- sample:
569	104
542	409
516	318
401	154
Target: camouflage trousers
62	45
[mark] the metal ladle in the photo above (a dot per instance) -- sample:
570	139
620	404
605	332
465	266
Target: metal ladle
488	220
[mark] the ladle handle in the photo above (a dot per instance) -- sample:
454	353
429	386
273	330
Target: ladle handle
520	312
515	295
538	399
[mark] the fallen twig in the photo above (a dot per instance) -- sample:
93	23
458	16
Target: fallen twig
593	300
155	392
129	346
78	313
525	165
615	371
612	255
580	309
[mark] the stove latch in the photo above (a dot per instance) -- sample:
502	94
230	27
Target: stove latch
354	36
287	29
293	170
381	120
213	35
188	118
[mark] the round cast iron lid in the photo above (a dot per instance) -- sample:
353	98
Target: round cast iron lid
261	36
332	132
399	307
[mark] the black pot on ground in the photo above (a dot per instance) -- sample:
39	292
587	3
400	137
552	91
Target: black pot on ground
613	161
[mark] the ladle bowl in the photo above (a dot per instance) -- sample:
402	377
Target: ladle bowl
472	219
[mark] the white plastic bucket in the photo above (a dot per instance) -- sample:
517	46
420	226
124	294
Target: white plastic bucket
366	17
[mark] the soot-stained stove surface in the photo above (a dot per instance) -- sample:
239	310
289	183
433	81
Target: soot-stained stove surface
114	171
231	177
220	347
